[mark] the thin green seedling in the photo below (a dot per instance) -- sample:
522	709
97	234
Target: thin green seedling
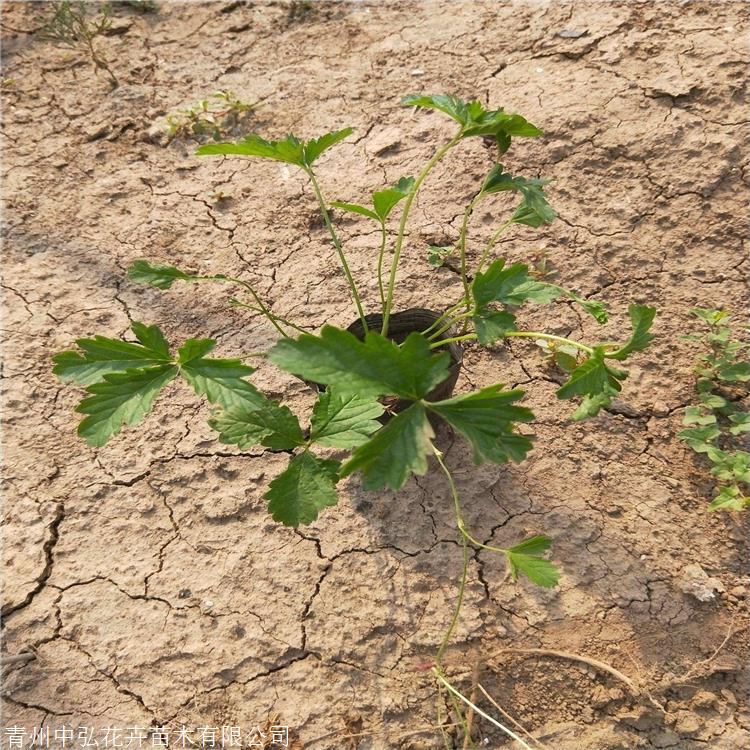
717	427
69	26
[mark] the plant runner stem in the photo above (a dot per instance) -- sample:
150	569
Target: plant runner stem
462	246
262	309
444	316
271	316
492	242
466	337
337	245
381	288
465	551
439	154
550	337
450	324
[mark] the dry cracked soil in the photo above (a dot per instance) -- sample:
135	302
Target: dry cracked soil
147	577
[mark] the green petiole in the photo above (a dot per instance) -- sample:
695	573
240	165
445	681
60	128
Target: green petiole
381	254
337	245
549	337
439	154
462	245
491	243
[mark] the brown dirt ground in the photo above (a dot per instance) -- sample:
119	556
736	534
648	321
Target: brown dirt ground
147	574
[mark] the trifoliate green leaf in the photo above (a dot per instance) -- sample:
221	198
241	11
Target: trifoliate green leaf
534	210
729	498
474	119
564	356
486	418
376	366
491	325
155	274
513	285
122	398
303	490
385	200
740	423
344	421
592	378
258	420
641	318
712	317
102	355
219	380
695	415
700	439
525	558
712	400
731	466
499	283
395	452
290	149
449	105
594	308
737	372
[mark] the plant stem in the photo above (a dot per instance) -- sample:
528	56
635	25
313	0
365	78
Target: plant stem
466	337
444	316
450	324
550	337
477	543
462	245
465	554
272	317
439	154
441	678
462	721
491	244
262	309
381	288
337	245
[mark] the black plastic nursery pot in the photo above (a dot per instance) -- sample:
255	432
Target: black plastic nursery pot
400	325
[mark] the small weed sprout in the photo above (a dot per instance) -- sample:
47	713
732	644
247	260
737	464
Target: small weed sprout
717	427
69	27
216	116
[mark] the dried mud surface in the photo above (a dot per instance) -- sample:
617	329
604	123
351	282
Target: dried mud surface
147	574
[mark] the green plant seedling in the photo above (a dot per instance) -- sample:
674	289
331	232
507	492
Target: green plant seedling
346	432
215	116
717	426
69	26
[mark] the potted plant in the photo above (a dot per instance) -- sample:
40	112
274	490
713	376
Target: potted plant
385	381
